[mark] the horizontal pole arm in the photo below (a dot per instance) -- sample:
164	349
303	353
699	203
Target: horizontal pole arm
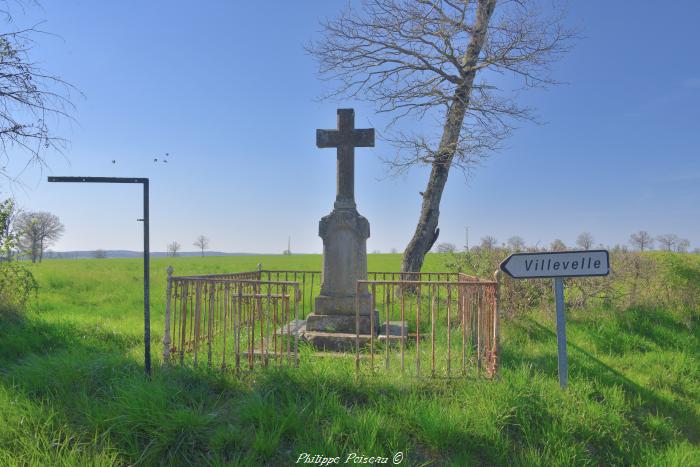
98	180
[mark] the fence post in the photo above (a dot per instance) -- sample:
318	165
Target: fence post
166	334
496	324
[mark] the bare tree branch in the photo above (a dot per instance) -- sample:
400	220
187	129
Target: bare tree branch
32	101
419	58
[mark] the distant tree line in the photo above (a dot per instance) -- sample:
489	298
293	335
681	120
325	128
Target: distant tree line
636	278
639	241
201	242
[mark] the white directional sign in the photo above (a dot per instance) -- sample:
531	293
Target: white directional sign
557	264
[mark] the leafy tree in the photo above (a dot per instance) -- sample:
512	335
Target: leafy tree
436	58
16	281
37	231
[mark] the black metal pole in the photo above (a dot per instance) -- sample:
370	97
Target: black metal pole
146	253
146	283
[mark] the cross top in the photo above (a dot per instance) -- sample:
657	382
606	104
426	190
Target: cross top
346	138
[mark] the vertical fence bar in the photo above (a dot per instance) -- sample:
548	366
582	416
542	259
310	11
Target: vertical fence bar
274	331
168	298
371	325
296	320
289	325
433	317
418	331
210	322
463	310
449	329
237	327
357	329
224	324
197	319
496	325
183	322
403	327
387	332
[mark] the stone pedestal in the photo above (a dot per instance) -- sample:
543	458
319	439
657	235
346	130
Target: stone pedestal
344	232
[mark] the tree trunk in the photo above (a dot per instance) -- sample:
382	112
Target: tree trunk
427	230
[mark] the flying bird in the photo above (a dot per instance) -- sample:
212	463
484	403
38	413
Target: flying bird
114	161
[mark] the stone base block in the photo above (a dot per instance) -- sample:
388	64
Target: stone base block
341	323
342	305
335	341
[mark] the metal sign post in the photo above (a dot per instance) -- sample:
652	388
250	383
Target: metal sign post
562	359
146	252
558	265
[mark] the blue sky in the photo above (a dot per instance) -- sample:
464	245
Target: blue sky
227	89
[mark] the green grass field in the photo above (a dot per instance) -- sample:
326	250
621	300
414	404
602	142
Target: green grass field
72	390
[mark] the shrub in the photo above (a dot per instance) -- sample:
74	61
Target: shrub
654	279
16	281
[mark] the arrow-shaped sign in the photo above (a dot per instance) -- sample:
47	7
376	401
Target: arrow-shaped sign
557	264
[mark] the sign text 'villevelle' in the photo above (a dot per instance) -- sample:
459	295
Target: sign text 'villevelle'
557	264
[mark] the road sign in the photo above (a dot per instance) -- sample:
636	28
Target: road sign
557	264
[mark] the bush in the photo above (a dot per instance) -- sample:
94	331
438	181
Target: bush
16	281
654	279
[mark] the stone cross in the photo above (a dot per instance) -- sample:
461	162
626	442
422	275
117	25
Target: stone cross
346	138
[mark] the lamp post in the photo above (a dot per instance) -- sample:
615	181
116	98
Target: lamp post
146	252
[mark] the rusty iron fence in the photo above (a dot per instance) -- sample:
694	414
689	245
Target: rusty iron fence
230	322
238	320
444	325
309	283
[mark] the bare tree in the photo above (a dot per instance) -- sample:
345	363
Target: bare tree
682	245
585	241
202	243
394	251
446	247
557	245
31	100
488	242
642	240
516	243
421	58
37	231
667	241
173	248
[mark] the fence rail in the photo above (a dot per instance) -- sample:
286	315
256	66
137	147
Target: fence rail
443	322
221	319
439	323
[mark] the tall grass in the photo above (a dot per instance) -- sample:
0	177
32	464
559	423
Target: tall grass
72	390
